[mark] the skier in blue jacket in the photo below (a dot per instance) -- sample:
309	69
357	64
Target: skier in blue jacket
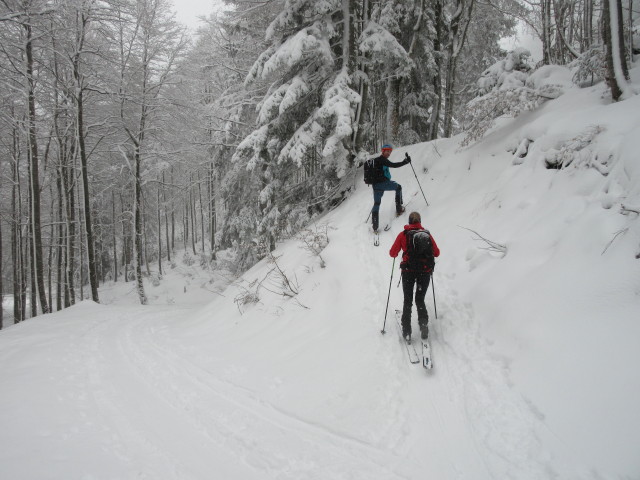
384	183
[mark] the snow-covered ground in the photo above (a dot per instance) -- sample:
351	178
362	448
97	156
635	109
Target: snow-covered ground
535	350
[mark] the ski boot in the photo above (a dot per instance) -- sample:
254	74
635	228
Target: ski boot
375	218
424	332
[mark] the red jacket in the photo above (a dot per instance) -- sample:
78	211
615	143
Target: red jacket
401	243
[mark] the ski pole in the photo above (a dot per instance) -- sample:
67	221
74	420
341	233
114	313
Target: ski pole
433	287
414	174
388	296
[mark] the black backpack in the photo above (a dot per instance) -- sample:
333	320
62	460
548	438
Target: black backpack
419	251
373	172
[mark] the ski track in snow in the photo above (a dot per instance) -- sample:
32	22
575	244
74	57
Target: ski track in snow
468	388
221	416
503	426
461	420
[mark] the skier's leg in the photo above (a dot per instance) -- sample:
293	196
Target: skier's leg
422	285
399	208
375	215
408	279
377	198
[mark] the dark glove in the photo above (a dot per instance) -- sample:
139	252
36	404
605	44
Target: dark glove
407	158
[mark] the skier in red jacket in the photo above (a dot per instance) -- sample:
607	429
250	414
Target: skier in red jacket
416	270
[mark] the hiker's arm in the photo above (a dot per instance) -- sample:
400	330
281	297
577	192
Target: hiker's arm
436	250
390	164
397	245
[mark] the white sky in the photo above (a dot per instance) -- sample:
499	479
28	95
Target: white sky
188	11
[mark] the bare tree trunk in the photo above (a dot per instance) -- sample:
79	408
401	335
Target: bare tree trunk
34	172
52	249
173	220
449	96
81	245
459	27
145	241
212	211
16	240
166	220
547	57
68	184
137	243
393	110
93	276
25	243
201	216
434	123
33	289
159	231
1	284
358	26
194	231
113	228
185	224
629	32
126	243
587	20
612	24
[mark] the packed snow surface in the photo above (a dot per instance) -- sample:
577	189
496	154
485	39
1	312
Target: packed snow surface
535	344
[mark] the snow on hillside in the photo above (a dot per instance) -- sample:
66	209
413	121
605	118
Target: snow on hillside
534	346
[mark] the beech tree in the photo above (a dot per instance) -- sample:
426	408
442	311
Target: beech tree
20	18
612	31
149	50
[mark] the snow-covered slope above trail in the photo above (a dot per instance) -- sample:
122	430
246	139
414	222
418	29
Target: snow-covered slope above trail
285	375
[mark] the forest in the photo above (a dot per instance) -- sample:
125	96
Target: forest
128	144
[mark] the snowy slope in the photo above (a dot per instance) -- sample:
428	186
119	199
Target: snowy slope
535	350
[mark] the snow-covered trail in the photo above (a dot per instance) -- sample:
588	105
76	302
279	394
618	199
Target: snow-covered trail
465	413
462	420
279	392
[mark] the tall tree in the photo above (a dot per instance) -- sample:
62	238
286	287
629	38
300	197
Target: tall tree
27	21
460	19
82	15
148	53
613	34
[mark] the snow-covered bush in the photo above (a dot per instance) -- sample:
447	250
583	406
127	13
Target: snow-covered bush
155	279
187	259
248	295
510	72
507	88
589	68
204	260
315	240
482	112
578	152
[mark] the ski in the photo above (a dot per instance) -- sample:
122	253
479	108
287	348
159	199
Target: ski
426	355
409	201
412	353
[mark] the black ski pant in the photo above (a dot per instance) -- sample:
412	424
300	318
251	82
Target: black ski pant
421	282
